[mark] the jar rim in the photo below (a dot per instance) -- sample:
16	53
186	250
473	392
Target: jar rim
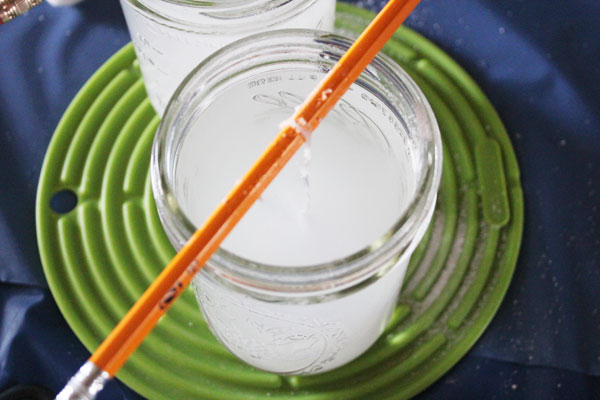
224	16
339	274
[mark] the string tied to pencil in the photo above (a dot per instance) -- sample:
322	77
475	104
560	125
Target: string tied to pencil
129	333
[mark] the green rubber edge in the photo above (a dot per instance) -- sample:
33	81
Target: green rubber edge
406	47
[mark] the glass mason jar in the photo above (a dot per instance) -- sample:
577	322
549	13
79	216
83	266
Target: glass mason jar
171	37
296	289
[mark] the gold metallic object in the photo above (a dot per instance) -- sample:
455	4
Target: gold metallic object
10	9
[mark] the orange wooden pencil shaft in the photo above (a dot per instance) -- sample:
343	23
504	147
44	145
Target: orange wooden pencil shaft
155	301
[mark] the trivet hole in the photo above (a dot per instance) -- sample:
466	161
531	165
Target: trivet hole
63	201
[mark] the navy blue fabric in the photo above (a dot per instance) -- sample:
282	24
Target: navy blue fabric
539	63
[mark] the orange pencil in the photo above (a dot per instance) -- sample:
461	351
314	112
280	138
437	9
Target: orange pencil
143	316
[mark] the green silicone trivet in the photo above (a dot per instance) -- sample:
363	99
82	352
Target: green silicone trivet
99	257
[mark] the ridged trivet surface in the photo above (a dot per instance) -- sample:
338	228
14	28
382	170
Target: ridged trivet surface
99	257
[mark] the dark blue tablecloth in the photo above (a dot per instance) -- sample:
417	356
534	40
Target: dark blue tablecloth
539	62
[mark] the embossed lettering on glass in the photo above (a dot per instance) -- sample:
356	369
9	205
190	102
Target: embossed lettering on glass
309	278
171	37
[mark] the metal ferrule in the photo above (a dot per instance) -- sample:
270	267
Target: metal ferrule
10	9
86	383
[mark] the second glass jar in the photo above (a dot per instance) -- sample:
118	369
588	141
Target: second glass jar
171	37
